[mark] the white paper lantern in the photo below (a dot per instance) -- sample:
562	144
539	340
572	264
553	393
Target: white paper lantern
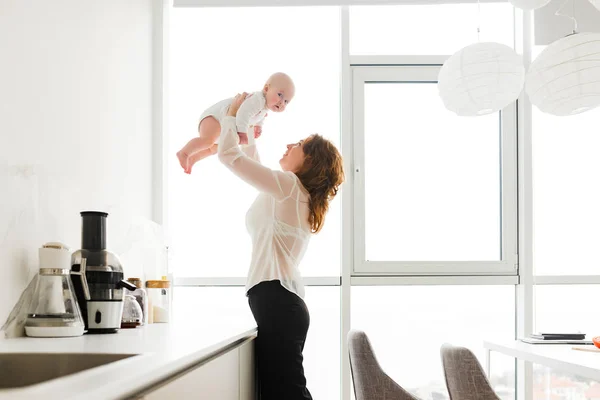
565	78
481	79
529	4
596	3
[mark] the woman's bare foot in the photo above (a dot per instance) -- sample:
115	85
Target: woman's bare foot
184	161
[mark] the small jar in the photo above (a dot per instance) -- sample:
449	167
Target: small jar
159	296
132	313
140	296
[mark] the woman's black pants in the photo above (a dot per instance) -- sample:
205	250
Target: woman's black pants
282	319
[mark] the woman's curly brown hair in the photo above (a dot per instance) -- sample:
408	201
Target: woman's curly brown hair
321	174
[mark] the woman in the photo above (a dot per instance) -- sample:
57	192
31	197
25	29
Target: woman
290	207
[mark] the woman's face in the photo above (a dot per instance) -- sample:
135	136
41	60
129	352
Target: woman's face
293	159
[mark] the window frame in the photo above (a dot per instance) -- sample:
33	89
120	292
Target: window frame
419	72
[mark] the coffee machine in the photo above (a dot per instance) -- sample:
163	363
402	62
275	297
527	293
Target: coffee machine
97	277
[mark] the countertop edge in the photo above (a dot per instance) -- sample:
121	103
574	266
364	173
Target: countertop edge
127	378
174	368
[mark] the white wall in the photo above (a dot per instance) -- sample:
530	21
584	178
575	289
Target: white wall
75	125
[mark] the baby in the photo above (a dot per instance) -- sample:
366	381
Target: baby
275	96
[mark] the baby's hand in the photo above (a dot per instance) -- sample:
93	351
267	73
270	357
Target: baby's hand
243	138
257	131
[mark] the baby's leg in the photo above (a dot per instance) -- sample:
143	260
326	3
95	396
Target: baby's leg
208	131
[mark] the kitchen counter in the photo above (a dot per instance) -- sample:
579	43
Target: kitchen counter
163	349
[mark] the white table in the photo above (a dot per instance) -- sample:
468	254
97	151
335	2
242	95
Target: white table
557	356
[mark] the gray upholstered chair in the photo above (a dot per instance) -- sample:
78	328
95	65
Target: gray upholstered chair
465	378
370	382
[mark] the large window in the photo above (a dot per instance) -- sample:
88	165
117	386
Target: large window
552	384
407	326
565	216
565	197
436	213
566	193
435	193
566	308
429	193
427	29
216	53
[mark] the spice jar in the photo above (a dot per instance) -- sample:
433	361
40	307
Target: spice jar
159	296
140	296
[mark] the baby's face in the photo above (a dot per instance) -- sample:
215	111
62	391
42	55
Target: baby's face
278	97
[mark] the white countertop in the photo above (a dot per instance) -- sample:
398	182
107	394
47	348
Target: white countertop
164	350
557	356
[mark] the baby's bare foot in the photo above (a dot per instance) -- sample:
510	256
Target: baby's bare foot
191	162
183	161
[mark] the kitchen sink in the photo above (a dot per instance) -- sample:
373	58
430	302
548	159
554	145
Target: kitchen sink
24	369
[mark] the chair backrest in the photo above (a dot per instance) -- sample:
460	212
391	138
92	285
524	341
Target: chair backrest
465	378
370	382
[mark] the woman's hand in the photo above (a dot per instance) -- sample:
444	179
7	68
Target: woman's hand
236	103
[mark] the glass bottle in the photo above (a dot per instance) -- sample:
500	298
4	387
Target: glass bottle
140	296
159	296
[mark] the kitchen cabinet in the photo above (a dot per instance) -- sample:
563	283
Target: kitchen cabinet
230	375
